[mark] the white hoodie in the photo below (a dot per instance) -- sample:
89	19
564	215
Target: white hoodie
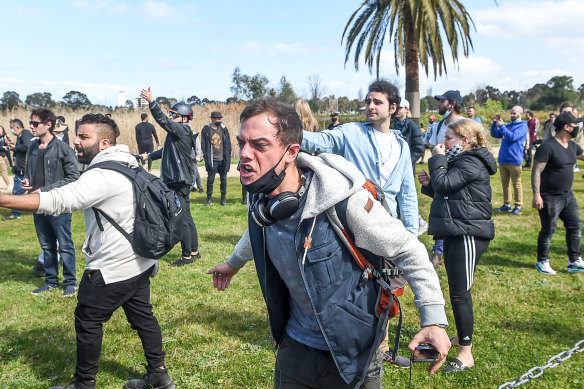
109	251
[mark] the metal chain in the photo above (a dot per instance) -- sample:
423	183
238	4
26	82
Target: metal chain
536	372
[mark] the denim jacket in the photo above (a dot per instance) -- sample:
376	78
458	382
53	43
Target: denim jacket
355	142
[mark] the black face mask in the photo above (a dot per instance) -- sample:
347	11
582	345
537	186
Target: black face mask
218	123
268	183
574	132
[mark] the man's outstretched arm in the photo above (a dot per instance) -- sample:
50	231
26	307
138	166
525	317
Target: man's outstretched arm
27	203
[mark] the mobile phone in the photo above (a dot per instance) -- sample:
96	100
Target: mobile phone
425	353
497	117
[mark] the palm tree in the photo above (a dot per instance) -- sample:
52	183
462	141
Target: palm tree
413	26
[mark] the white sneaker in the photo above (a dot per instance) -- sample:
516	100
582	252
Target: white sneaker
577	266
576	170
544	268
422	226
9	188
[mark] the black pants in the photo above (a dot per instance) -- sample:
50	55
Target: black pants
190	239
221	168
461	256
564	207
146	149
302	367
528	155
97	301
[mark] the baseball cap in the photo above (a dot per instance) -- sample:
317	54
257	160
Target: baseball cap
404	103
334	114
566	118
450	95
216	115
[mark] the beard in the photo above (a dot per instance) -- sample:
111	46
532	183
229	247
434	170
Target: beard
88	153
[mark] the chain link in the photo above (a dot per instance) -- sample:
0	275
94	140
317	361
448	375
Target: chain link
536	372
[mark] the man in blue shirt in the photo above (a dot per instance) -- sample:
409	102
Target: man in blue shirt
511	157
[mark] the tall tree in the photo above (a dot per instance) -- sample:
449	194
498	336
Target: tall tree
414	29
286	92
39	100
315	87
76	100
10	100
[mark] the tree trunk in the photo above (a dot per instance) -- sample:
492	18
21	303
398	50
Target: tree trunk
412	72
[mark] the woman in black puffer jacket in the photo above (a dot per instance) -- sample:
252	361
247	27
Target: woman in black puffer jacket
460	214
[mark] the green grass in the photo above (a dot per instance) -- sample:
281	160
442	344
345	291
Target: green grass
221	339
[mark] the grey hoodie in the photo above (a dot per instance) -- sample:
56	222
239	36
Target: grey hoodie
336	179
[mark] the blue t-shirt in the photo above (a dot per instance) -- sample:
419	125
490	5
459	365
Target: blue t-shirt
302	325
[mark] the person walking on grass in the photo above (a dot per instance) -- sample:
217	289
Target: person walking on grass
459	183
115	276
511	157
216	146
322	316
551	181
144	133
176	169
19	148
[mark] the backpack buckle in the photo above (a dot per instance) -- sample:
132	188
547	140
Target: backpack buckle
364	277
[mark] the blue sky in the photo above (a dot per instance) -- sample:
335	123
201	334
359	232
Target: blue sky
184	48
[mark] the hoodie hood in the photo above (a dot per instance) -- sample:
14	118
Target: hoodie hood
117	153
334	179
485	156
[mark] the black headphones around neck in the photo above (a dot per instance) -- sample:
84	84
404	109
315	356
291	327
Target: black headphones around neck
266	212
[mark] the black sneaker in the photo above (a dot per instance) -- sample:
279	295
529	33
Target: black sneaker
196	256
38	269
208	202
77	384
154	378
223	201
11	217
44	288
69	291
182	261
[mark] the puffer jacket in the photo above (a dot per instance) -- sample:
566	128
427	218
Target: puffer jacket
60	164
461	190
176	163
412	134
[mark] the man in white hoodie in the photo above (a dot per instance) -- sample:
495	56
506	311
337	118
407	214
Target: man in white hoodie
115	275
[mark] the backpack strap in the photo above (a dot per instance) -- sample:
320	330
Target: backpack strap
337	216
126	171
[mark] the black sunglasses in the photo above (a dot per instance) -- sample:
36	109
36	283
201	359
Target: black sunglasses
35	124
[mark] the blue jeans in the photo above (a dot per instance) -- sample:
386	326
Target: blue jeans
438	247
564	207
51	229
17	190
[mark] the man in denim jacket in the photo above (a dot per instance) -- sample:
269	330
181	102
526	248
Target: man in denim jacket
324	321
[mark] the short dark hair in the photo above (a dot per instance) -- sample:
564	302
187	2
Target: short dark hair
106	127
388	89
46	115
18	122
288	122
143	116
61	118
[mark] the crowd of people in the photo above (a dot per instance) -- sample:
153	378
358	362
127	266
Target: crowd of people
323	310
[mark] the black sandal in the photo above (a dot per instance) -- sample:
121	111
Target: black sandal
454	366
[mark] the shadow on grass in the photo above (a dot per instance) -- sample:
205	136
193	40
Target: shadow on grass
47	350
224	238
507	253
16	267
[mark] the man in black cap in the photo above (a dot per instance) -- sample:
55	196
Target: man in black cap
551	181
216	147
450	107
144	133
334	121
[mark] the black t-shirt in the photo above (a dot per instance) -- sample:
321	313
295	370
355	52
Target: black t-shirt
144	133
558	175
39	170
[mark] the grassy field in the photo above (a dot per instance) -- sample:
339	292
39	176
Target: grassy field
221	339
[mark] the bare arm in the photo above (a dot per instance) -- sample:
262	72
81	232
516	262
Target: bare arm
535	184
28	203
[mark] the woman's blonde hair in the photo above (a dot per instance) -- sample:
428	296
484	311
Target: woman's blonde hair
303	110
473	131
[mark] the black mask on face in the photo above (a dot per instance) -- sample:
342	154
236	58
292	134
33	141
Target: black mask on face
574	132
268	183
218	123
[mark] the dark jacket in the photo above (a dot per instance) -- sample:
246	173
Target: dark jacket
461	190
413	136
60	164
207	147
23	142
330	276
176	154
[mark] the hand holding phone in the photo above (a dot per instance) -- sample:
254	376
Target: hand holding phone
425	353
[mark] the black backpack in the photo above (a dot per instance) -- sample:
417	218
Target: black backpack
157	224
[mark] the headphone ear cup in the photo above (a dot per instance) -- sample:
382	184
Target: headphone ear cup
260	213
283	206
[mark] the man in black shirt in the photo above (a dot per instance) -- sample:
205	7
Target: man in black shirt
144	133
216	147
334	121
19	148
551	180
